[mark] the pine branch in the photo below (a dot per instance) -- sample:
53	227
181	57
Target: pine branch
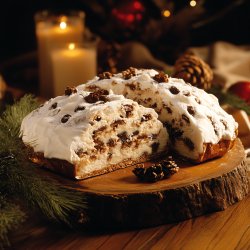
20	179
10	218
54	201
12	118
231	99
10	123
20	174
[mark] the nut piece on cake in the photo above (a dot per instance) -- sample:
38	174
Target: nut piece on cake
86	134
199	129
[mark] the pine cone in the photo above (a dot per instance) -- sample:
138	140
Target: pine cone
193	70
169	167
163	169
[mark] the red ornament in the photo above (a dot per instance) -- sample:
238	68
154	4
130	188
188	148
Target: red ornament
128	13
241	89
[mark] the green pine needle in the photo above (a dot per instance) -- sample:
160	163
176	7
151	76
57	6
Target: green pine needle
53	200
10	218
20	179
13	116
10	123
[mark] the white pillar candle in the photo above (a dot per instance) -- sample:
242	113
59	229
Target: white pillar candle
54	31
72	66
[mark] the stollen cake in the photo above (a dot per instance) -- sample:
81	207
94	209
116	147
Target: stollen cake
83	134
199	129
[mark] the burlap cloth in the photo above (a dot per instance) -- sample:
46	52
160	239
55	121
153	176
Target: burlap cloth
230	63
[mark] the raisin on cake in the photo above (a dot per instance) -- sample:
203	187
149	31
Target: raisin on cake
198	127
83	134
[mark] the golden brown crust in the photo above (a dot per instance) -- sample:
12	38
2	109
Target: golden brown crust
210	151
60	166
215	150
73	171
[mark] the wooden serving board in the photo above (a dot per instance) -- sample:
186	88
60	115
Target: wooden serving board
119	200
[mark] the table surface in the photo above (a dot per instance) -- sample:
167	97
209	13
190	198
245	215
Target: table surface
229	229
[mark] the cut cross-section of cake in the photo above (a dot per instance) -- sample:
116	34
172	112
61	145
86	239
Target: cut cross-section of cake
83	134
198	127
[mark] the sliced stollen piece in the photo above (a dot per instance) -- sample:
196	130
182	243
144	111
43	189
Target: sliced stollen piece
83	134
198	127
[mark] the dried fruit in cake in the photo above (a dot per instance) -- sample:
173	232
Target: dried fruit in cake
194	118
94	133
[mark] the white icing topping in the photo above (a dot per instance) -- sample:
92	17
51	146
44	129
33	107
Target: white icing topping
69	128
193	111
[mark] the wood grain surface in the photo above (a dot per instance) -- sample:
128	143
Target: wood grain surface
225	230
119	201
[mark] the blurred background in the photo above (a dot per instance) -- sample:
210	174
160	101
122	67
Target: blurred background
130	32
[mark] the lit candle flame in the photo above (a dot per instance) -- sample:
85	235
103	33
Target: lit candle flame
72	46
192	3
63	25
166	13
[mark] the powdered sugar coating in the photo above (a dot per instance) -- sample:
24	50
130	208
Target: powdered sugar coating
93	134
192	116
